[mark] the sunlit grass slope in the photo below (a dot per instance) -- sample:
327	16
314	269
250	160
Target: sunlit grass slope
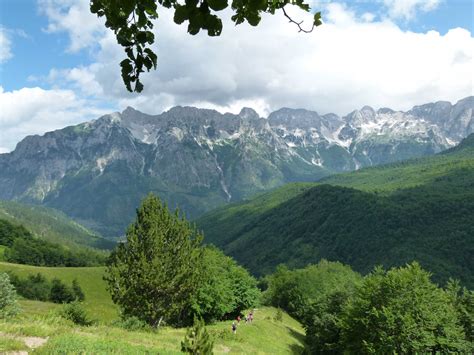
98	302
264	336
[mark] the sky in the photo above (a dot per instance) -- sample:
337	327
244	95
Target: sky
59	65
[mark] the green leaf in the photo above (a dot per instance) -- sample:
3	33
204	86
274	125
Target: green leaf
218	5
181	14
317	19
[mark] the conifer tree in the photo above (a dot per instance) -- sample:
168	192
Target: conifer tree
76	288
154	274
8	303
197	340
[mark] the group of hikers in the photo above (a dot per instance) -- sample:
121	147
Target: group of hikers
248	319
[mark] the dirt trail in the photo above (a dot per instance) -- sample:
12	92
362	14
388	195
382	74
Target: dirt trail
31	342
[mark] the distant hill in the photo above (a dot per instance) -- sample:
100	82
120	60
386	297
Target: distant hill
420	209
51	225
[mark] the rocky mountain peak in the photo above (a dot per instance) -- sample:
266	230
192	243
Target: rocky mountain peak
200	158
248	113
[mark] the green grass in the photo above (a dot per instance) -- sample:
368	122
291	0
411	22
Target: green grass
9	344
97	303
264	336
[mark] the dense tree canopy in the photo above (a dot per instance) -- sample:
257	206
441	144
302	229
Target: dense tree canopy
155	273
399	311
132	22
226	290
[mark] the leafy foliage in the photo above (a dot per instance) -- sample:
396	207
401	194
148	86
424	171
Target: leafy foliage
401	311
131	22
156	272
197	340
8	303
24	248
77	290
397	311
37	287
76	313
226	290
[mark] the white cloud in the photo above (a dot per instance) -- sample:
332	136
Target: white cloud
342	65
345	64
73	17
5	46
407	9
34	111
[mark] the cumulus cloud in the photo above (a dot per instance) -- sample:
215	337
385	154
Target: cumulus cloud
34	111
346	63
73	17
5	46
407	9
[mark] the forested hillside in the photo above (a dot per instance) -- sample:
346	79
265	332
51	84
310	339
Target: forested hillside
417	210
19	245
51	225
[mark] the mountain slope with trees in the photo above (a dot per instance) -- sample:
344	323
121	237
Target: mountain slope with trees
390	215
51	225
198	159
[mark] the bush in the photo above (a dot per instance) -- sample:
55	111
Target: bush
279	315
34	287
75	313
77	291
61	293
132	323
8	304
197	340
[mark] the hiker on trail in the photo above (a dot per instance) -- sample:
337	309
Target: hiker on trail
234	327
238	319
251	317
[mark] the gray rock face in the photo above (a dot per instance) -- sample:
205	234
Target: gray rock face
197	159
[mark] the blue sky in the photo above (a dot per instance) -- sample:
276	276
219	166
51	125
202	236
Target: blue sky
37	51
59	65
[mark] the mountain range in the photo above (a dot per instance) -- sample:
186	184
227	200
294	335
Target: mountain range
198	159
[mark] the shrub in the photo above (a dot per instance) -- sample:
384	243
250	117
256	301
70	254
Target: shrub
197	340
132	323
77	290
279	315
8	304
75	312
61	293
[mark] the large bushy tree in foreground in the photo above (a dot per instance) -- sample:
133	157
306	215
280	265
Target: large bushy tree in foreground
226	290
132	22
401	311
156	272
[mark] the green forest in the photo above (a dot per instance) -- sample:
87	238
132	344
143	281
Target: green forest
391	215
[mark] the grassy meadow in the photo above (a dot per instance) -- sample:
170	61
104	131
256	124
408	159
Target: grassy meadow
265	335
98	302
